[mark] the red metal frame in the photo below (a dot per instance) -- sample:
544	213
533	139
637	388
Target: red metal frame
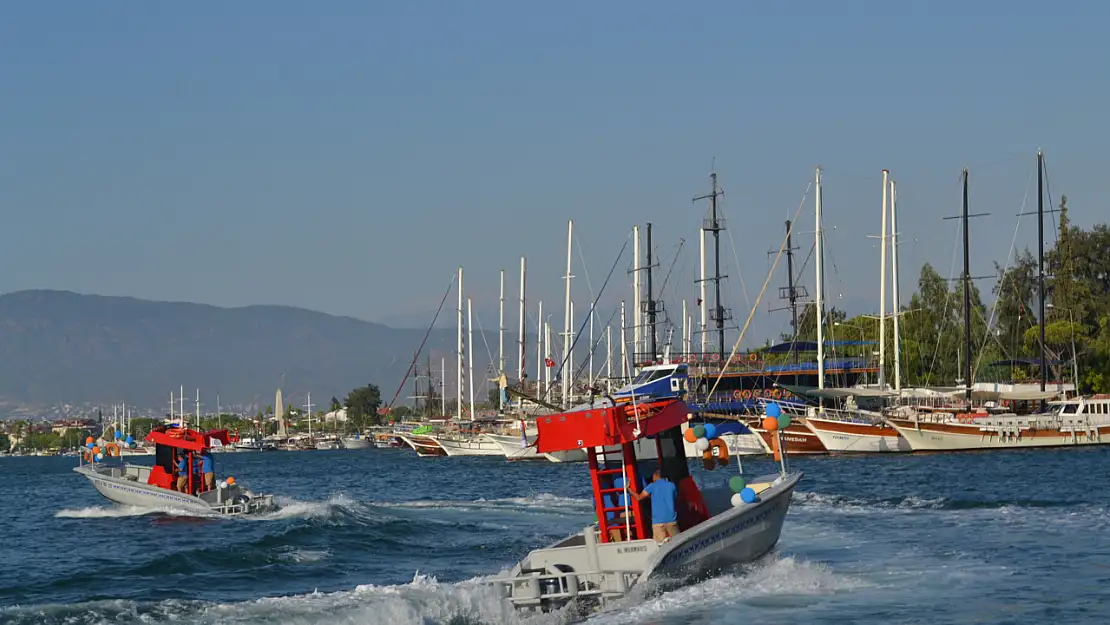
631	479
608	427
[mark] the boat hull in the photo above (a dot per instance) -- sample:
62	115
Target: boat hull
513	449
849	437
468	447
929	436
356	443
109	481
425	446
797	437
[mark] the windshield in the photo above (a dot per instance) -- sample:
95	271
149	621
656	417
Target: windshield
651	375
1070	409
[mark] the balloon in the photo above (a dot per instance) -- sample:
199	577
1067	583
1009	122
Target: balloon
699	431
784	421
701	444
736	483
131	444
223	484
96	450
772	410
99	457
689	435
230	480
119	435
710	431
89	444
748	495
89	440
130	439
737	500
770	424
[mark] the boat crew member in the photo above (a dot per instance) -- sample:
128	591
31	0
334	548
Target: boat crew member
207	468
183	473
616	520
664	517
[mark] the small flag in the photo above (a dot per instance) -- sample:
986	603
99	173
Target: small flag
699	301
549	362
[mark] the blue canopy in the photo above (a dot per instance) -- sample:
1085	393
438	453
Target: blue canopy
810	346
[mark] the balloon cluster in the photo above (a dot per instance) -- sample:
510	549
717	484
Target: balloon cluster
129	441
93	454
742	493
774	419
704	437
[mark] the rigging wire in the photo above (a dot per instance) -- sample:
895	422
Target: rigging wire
416	357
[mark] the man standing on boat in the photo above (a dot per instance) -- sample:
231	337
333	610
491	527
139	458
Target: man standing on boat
664	517
183	472
208	469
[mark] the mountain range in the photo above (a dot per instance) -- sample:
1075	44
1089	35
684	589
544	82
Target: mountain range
64	347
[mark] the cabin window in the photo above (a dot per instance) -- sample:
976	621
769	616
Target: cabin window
673	456
1071	408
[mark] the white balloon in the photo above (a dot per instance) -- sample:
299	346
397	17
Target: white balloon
99	456
223	484
737	500
701	444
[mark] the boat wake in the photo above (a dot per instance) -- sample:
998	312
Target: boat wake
119	512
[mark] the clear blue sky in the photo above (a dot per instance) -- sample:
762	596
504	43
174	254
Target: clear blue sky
347	156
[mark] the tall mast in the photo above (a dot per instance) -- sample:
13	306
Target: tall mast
547	354
967	304
564	380
442	385
791	292
308	411
459	354
685	347
624	347
592	345
649	305
636	320
609	358
1040	264
715	225
470	353
702	304
501	328
882	287
819	268
523	317
539	349
897	302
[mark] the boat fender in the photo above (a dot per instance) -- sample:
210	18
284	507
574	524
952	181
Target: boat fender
111	449
722	454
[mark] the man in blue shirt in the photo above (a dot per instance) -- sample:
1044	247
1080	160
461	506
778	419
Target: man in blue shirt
664	517
207	468
183	473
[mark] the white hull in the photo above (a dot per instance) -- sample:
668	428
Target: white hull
849	437
356	443
469	446
1006	433
125	484
424	446
328	445
514	448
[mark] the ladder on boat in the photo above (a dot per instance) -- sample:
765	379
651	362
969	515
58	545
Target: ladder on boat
607	466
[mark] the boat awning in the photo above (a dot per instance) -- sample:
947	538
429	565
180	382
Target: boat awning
613	425
809	346
1025	362
190	440
1028	395
836	393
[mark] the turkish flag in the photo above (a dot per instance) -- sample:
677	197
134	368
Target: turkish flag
549	362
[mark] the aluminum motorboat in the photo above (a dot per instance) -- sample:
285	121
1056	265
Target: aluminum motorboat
153	486
718	526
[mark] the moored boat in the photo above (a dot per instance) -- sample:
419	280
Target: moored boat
356	441
153	486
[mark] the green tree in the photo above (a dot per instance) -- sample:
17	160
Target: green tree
5	442
362	406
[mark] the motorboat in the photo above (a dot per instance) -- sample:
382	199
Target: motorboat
356	441
328	443
467	445
153	486
516	447
719	526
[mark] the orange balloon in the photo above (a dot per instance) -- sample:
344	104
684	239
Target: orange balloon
89	440
689	435
230	480
770	424
96	450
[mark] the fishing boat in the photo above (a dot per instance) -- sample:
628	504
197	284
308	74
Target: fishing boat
719	526
153	486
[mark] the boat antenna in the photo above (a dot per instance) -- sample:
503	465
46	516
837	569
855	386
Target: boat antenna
422	343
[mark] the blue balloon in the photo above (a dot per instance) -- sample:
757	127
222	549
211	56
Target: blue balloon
748	495
130	439
119	435
710	431
773	410
90	445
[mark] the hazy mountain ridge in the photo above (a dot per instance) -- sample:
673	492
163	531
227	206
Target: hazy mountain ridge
61	346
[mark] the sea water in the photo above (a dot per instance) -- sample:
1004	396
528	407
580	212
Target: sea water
381	536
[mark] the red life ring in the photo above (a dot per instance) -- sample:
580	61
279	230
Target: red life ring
753	357
746	394
714	358
736	394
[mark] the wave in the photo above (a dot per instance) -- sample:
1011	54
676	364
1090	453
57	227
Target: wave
845	503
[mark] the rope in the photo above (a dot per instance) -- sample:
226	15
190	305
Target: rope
422	343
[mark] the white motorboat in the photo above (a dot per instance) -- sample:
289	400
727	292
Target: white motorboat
153	486
356	441
328	443
718	527
516	447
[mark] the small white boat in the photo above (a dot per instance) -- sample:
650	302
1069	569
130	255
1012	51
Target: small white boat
515	447
468	446
153	486
328	443
356	441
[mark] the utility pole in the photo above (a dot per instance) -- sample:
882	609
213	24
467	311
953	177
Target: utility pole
718	314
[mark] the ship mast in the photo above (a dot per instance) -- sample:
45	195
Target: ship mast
966	278
719	314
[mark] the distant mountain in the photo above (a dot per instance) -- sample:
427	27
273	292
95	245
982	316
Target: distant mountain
66	347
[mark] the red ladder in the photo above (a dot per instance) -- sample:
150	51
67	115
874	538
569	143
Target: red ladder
605	468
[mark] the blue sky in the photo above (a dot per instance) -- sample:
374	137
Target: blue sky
348	156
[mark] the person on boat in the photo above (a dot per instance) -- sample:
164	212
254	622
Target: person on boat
183	473
208	469
615	520
664	516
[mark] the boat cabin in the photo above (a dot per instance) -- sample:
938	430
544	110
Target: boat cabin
655	382
610	435
173	444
